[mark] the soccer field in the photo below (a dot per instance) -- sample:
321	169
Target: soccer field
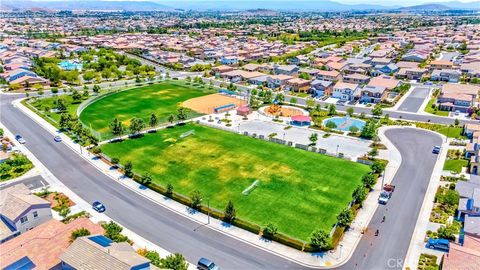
162	99
299	191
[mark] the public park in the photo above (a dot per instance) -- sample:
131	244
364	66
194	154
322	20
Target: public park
296	190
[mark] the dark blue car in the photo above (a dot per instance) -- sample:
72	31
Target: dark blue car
98	206
206	264
442	244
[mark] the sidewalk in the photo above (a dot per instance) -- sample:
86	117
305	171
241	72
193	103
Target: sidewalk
56	185
318	260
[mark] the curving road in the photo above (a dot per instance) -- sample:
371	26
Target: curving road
176	233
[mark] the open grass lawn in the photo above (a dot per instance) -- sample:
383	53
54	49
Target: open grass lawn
455	165
162	99
44	105
299	191
431	110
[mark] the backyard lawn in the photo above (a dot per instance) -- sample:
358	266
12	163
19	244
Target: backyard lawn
162	99
298	191
455	165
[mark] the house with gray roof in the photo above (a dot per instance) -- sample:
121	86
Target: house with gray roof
99	252
21	211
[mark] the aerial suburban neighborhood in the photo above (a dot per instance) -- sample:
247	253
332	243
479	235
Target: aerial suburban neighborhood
239	135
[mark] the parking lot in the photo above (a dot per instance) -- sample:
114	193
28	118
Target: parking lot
351	147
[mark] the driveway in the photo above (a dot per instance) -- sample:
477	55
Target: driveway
414	100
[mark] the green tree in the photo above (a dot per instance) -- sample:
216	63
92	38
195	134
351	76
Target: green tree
359	194
373	153
169	192
345	217
313	138
76	96
113	232
136	125
128	168
350	111
146	179
353	129
64	121
116	127
171	118
153	120
78	233
61	105
293	100
182	113
321	240
174	261
332	110
369	180
331	124
96	88
230	213
115	161
377	110
369	131
280	98
196	198
378	166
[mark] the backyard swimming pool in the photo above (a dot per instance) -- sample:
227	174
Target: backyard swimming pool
344	123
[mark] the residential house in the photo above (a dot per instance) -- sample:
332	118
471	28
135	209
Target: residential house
415	56
356	78
372	94
229	60
441	64
286	69
328	75
380	61
99	252
41	247
463	257
277	81
471	70
218	70
384	81
411	73
297	85
446	75
345	91
457	97
384	69
320	88
469	202
21	211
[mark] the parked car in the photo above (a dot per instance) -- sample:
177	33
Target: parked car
442	244
206	264
436	149
20	139
386	194
98	206
57	138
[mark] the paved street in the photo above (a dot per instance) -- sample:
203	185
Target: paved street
415	99
176	233
411	181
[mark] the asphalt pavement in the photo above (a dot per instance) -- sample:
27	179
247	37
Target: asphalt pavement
176	233
414	100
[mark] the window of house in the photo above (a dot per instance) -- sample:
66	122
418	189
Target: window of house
35	214
23	219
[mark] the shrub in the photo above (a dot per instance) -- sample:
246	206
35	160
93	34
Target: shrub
169	192
345	218
196	199
128	168
79	233
321	240
113	231
269	231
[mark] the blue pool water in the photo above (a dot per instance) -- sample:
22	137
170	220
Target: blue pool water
344	123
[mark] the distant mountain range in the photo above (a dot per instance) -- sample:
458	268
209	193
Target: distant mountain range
203	5
83	5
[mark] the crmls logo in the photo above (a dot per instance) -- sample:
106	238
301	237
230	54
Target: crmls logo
395	263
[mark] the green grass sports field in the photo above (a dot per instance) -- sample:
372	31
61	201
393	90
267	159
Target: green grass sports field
299	191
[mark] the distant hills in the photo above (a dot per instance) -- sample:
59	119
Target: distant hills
220	5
